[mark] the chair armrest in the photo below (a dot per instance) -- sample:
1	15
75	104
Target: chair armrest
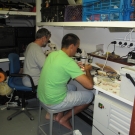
22	75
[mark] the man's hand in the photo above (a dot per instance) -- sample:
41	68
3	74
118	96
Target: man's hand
79	63
84	67
87	67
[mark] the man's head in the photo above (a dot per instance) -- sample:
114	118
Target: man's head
70	43
43	35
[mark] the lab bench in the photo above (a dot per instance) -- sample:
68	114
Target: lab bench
112	114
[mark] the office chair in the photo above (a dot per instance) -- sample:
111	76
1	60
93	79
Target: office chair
15	82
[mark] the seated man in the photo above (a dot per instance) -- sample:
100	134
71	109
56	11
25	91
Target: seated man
59	67
34	57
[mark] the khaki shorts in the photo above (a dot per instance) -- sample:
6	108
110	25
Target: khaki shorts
74	98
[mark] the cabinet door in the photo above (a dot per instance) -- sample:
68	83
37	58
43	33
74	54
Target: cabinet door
98	129
95	131
101	110
109	132
119	121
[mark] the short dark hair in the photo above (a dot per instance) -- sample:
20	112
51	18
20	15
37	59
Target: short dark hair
43	32
69	39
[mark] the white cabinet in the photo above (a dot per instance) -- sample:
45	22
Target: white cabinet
111	115
100	129
119	120
95	131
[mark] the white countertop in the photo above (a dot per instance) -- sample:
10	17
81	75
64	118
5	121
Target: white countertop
6	59
98	89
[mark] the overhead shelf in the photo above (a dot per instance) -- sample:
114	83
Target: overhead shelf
119	60
18	13
122	24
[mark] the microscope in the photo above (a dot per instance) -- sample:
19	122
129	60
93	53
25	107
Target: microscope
52	48
81	55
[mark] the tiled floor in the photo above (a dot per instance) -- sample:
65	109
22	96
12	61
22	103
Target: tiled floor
22	125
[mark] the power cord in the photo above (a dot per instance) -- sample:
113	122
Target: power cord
130	37
124	45
107	55
130	45
8	102
113	50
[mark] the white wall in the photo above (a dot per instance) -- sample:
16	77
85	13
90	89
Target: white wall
90	37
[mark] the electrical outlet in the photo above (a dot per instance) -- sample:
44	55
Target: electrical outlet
124	43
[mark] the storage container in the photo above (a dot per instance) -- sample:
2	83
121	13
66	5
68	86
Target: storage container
103	5
73	13
129	4
129	15
103	16
127	88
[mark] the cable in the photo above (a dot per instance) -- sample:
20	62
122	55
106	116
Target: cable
123	45
127	54
130	45
114	42
125	38
113	50
131	34
106	58
124	56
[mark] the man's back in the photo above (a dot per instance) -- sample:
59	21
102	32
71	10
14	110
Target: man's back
34	60
58	69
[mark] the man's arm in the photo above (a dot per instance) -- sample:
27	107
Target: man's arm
86	80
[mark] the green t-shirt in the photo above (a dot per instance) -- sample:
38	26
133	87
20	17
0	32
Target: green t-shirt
57	70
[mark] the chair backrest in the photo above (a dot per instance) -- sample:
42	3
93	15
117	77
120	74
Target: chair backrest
14	63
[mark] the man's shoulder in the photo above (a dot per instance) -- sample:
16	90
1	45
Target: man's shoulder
32	44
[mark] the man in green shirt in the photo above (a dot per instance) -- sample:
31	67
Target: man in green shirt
59	67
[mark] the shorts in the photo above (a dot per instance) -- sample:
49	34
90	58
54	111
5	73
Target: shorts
74	98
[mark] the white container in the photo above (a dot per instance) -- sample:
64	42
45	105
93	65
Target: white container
127	88
77	132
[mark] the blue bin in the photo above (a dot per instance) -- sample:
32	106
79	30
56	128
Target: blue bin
103	16
103	5
129	15
89	1
128	4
